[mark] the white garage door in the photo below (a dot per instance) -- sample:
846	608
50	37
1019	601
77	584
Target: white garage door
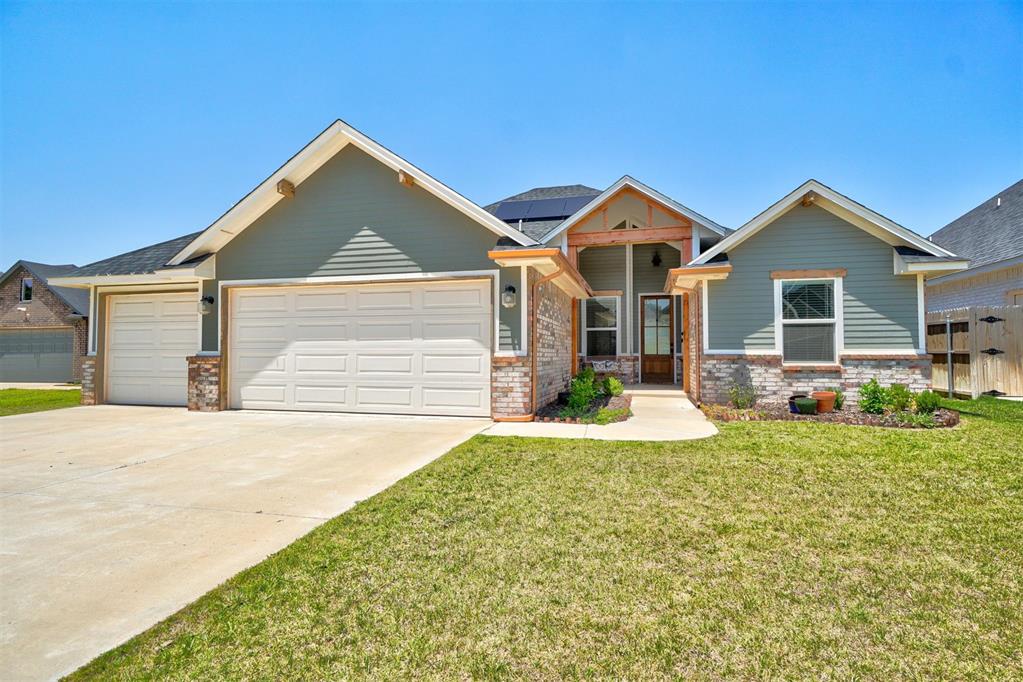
148	338
411	348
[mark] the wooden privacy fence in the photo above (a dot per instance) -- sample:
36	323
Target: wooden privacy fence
986	350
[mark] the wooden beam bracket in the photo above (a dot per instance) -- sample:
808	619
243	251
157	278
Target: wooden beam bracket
286	188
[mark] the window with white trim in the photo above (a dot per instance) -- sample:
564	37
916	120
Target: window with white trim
26	289
600	320
809	321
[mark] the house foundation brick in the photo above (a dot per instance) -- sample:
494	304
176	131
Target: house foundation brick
623	367
87	372
510	388
774	384
204	394
553	343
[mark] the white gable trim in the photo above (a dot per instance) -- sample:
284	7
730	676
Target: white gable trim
650	192
839	204
306	162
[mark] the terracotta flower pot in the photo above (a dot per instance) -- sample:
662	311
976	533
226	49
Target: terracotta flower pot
825	400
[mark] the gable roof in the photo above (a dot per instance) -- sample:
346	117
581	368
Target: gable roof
990	232
537	228
837	203
629	181
76	299
306	162
143	261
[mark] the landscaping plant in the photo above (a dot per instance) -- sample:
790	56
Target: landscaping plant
839	397
743	396
927	402
900	398
613	386
873	397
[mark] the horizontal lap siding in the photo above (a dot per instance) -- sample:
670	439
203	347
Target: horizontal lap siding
647	279
880	307
352	217
604	269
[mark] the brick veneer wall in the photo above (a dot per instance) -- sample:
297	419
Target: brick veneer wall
553	343
204	394
510	387
775	383
88	367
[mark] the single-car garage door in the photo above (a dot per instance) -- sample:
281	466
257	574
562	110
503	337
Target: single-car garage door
36	355
410	348
149	338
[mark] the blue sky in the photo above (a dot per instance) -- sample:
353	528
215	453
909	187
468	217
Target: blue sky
127	124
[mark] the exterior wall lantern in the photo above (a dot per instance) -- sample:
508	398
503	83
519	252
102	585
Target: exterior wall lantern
205	305
656	260
508	297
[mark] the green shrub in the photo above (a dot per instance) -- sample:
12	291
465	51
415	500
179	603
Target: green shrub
927	402
581	393
839	397
806	405
899	398
873	397
743	395
613	386
587	374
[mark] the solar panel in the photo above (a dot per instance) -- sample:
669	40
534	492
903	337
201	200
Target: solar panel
540	209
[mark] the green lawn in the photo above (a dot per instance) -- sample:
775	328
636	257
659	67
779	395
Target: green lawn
21	400
775	550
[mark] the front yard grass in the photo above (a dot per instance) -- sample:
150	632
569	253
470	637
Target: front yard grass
774	550
22	400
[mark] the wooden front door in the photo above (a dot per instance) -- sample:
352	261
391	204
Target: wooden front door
657	322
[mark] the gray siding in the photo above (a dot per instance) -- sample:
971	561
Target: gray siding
603	268
880	307
647	279
353	217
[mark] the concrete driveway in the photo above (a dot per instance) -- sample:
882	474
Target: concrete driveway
112	518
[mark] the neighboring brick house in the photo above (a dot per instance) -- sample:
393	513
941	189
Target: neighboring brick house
352	281
991	237
43	328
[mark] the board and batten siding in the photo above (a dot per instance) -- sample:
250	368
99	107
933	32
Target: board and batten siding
880	307
352	218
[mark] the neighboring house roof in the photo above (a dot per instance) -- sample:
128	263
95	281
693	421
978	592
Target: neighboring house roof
76	299
540	209
841	205
990	232
306	162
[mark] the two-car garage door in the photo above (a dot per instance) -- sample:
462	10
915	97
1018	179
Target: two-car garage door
412	348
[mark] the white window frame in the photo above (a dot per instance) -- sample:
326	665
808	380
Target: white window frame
617	329
21	292
780	322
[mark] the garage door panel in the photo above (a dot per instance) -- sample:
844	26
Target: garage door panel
416	348
148	340
36	355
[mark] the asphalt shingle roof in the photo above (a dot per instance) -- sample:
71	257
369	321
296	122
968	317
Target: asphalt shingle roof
990	232
142	261
77	299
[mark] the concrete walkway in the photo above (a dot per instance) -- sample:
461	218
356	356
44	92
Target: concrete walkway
659	413
114	517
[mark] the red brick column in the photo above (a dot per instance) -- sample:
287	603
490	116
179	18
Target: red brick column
204	376
88	374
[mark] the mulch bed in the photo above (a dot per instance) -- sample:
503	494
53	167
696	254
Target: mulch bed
942	418
550	412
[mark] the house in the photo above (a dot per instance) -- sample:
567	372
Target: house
42	327
351	280
991	237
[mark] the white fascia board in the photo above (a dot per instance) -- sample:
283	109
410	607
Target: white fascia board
903	267
651	193
165	277
840	201
307	161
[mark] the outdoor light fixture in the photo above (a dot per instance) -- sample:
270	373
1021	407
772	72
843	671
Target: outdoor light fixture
205	305
656	260
508	297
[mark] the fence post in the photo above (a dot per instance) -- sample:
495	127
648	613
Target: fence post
949	374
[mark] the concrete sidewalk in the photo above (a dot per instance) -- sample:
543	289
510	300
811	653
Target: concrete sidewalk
659	413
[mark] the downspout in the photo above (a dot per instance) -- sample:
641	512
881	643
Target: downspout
532	332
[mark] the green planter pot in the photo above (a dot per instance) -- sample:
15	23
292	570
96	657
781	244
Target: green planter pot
806	405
